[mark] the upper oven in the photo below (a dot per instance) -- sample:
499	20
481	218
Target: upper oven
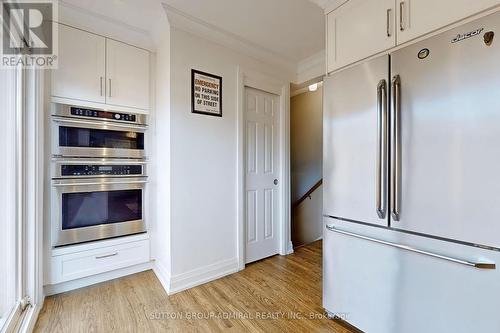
83	132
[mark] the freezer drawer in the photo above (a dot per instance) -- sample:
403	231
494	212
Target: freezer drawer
355	142
383	289
449	134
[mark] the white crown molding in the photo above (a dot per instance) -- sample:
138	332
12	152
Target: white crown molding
320	3
332	5
99	24
185	22
311	67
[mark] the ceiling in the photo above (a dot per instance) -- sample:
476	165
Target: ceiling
292	29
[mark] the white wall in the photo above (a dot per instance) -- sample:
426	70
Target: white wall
203	161
159	187
307	219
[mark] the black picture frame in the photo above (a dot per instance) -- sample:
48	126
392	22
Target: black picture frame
193	106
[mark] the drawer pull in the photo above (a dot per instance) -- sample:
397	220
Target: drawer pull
479	265
107	255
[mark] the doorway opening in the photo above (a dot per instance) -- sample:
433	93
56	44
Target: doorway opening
306	159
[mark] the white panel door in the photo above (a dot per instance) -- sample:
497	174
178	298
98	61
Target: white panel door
418	17
359	29
82	67
261	174
127	73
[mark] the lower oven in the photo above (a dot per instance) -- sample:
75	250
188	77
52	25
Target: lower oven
88	209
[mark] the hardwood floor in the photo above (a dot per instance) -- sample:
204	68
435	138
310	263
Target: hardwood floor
278	294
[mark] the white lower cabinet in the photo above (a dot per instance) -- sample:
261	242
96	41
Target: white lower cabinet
383	289
71	265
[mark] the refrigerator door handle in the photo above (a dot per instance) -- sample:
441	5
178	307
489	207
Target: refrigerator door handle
479	265
381	149
396	149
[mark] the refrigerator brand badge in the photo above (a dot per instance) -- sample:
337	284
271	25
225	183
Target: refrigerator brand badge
423	53
461	37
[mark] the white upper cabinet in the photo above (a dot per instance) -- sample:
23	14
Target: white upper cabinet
359	29
82	66
127	73
95	70
419	17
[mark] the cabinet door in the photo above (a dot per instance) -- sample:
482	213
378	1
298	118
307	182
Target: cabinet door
359	29
418	17
82	66
127	74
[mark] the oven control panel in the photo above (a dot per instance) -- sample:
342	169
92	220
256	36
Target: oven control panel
103	114
98	170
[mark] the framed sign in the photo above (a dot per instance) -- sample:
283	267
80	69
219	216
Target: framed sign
206	93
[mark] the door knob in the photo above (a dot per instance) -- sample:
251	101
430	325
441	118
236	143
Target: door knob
275	182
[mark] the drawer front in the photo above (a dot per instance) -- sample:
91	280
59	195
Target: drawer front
82	264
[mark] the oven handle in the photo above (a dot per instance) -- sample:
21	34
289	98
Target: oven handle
101	183
97	123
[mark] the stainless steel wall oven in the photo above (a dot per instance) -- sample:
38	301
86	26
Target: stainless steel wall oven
79	132
99	175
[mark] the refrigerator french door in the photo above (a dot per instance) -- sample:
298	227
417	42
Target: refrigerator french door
446	135
432	265
355	161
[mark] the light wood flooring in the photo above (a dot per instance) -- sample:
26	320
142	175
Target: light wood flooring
278	294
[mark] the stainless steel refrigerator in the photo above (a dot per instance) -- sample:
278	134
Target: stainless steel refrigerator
412	186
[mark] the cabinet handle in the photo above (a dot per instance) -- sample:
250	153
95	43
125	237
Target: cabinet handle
109	87
401	16
389	22
107	255
100	80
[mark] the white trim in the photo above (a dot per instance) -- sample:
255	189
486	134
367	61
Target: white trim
53	289
31	318
183	21
82	18
202	275
311	67
163	276
331	5
253	79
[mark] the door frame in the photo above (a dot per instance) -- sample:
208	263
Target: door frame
253	79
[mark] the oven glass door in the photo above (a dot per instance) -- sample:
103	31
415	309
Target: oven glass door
96	208
99	138
85	138
85	209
